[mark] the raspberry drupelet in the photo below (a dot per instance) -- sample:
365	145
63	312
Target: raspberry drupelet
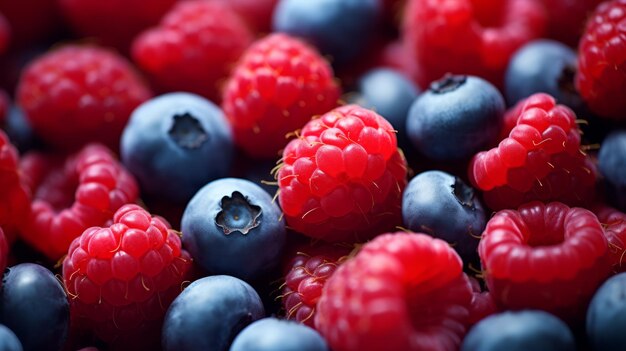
342	179
14	194
614	225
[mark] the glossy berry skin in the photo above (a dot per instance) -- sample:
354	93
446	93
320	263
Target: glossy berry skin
468	37
187	50
614	225
519	331
339	28
232	226
121	278
465	109
209	313
544	256
482	304
611	163
432	199
342	178
14	194
540	159
33	304
116	22
8	340
308	270
402	291
279	84
605	316
602	59
542	66
272	334
80	94
72	194
176	143
391	95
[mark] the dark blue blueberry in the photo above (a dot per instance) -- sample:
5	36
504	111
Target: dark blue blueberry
520	331
33	304
606	316
339	28
272	334
8	340
176	143
443	206
19	131
390	94
542	66
232	226
209	313
612	164
457	117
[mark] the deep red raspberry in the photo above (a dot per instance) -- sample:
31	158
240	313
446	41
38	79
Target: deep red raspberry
601	76
114	22
614	225
482	304
402	291
566	18
32	22
548	257
342	178
539	160
122	278
5	34
310	269
80	94
256	13
14	195
193	48
73	194
4	252
279	84
469	36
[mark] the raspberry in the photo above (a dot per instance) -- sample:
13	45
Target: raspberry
614	224
193	48
4	252
75	95
548	257
402	291
73	194
14	195
121	278
279	84
601	76
342	178
5	33
114	22
482	304
539	160
256	13
567	18
469	37
309	271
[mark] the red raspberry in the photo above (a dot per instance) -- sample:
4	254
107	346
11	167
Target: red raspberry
309	271
548	257
279	84
566	18
75	95
73	194
469	37
342	178
193	48
482	304
402	291
540	160
601	77
31	22
256	13
122	278
14	195
614	224
114	22
5	33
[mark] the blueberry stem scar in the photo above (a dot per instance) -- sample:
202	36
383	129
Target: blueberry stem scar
187	132
237	214
447	84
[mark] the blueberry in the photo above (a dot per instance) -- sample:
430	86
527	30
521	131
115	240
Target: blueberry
19	131
606	316
340	28
232	226
391	94
209	313
542	66
33	304
612	164
442	205
8	340
176	143
457	117
271	334
519	331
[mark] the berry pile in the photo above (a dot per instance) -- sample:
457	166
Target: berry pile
348	175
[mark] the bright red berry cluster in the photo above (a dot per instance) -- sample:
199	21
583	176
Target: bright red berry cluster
14	195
